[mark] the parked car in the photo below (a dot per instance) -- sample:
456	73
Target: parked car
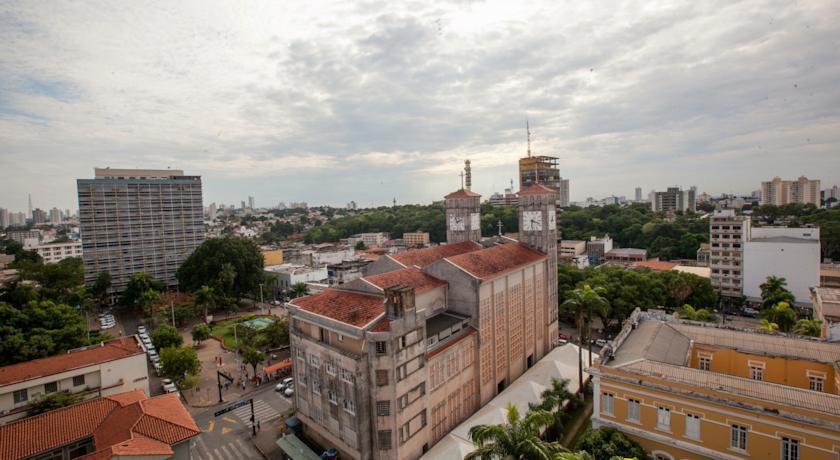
750	312
141	329
600	342
289	392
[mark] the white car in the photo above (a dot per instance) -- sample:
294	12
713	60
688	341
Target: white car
141	330
106	325
153	354
289	392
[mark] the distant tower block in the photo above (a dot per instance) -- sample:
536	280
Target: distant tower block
468	172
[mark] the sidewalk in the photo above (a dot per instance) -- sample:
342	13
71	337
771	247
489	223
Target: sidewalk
266	439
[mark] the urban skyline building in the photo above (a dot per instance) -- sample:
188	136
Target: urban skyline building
673	199
780	192
134	220
727	234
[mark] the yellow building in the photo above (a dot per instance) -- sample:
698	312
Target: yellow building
274	257
686	391
415	239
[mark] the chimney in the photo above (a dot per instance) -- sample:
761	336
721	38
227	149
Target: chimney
398	299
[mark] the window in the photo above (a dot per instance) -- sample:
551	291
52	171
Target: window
705	363
348	376
315	362
51	387
692	426
340	337
402	342
634	410
384	437
815	383
608	404
738	439
21	396
380	350
349	407
756	372
316	386
333	397
790	449
78	380
331	368
324	335
663	418
383	408
381	378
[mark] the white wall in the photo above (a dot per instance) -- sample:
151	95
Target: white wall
771	232
798	263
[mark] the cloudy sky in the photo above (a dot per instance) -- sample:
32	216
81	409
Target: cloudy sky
369	100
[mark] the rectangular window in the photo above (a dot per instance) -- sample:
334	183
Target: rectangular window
790	449
333	397
816	383
705	364
316	386
381	378
384	437
738	439
348	376
634	410
383	408
349	407
21	396
340	337
756	373
315	361
607	404
380	350
331	368
78	380
692	426
663	418
51	387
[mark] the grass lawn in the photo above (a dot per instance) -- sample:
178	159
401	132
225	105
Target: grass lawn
224	331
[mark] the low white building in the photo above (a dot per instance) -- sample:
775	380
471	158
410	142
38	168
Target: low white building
105	369
290	274
792	253
55	252
370	239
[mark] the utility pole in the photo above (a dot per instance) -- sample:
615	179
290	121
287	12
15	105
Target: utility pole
261	299
253	418
172	307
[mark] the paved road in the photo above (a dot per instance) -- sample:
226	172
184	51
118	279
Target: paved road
228	437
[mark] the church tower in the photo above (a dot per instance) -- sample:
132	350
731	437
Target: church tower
463	212
538	230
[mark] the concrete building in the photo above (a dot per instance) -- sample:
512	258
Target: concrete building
415	239
346	271
830	275
694	392
826	303
136	220
779	192
387	364
98	370
673	199
508	198
792	253
4	218
543	170
55	216
55	252
126	425
290	274
568	249
638	194
597	248
727	234
625	255
463	218
704	254
377	239
26	238
39	216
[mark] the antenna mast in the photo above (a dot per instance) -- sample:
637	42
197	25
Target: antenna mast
528	130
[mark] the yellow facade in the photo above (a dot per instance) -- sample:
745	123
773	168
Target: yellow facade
274	257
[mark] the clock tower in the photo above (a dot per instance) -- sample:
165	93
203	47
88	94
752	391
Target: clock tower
463	217
538	230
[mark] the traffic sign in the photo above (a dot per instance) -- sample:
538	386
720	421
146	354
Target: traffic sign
234	406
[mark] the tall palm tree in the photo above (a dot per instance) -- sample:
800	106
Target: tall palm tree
811	327
781	314
205	297
774	291
553	399
767	326
299	289
582	301
518	438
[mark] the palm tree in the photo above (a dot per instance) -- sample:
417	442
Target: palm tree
205	297
553	400
148	298
767	326
299	289
700	314
781	314
518	438
774	291
582	301
810	327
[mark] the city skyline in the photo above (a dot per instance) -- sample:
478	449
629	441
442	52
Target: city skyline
267	102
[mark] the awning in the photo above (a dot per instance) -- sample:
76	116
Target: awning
295	448
276	367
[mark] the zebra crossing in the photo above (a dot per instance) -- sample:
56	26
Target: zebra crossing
233	450
262	411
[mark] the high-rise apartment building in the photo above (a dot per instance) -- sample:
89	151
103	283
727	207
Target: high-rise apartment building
39	216
638	194
543	170
415	239
387	364
134	220
251	203
728	233
779	192
55	216
4	218
673	199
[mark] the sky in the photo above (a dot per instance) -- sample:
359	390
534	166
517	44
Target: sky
328	102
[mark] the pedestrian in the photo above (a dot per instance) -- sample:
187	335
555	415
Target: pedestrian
258	425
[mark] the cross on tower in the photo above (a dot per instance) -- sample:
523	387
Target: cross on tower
462	178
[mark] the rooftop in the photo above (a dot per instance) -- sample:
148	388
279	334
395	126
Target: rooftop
462	193
655	265
411	277
128	423
348	307
617	251
497	260
829	301
423	257
536	189
442	321
111	350
782	239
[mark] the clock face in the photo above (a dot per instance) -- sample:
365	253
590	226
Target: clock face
456	223
532	221
475	221
552	219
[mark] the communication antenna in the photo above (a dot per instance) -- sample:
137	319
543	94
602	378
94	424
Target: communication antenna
462	178
528	130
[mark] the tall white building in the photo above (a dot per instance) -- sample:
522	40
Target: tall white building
638	194
792	253
779	192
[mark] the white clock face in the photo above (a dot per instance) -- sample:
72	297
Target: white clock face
552	219
532	221
456	223
475	221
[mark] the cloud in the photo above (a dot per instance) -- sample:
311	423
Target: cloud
384	99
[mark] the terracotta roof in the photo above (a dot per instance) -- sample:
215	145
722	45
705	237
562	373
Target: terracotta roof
462	193
411	277
111	350
536	188
127	422
424	257
655	265
497	260
382	326
352	308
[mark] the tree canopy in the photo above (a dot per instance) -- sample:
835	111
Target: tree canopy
606	443
166	336
39	329
179	362
232	266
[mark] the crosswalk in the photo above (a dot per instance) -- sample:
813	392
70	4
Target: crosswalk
262	411
233	450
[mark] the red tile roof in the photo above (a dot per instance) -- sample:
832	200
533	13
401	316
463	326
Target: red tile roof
352	308
119	423
497	260
424	257
382	326
536	188
411	277
462	193
655	265
111	350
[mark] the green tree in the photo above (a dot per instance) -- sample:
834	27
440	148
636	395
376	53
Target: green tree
205	297
232	266
774	291
299	289
781	314
690	313
605	443
554	400
54	401
767	326
252	356
810	327
200	333
360	246
584	302
137	285
178	363
101	286
166	336
39	329
277	333
146	300
518	438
